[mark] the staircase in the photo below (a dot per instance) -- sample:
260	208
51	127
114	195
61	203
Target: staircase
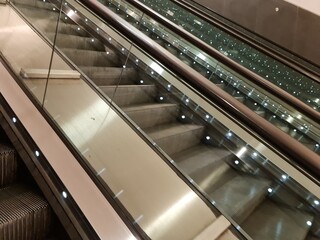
198	150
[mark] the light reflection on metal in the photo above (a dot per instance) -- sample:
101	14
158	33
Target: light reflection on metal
157	68
70	13
241	152
173	213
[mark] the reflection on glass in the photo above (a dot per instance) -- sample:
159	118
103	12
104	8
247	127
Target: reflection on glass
237	179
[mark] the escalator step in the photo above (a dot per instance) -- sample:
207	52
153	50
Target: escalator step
269	221
8	165
150	115
173	138
23	214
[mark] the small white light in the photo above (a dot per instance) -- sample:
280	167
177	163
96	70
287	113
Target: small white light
64	194
37	153
141	81
161	98
236	162
14	120
107	53
169	85
124	66
65	18
137	60
255	154
78	29
277	9
97	29
229	134
284	177
309	223
86	20
187	100
92	40
122	49
183	116
53	9
316	202
207	116
208	137
270	190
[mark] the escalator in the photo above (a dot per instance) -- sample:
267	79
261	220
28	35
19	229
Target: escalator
247	92
262	201
24	211
290	79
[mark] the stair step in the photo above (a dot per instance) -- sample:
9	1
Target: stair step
8	165
150	115
239	196
125	95
206	165
48	27
40	10
173	138
72	41
200	156
92	58
269	221
23	214
103	76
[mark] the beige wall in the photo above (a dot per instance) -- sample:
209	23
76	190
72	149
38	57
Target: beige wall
310	5
292	27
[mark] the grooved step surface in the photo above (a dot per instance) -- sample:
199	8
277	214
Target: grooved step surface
103	76
199	157
23	214
240	195
268	221
8	165
125	95
150	115
71	41
173	138
90	57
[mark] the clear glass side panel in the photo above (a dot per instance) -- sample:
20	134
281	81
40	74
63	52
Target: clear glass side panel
300	86
261	102
261	200
24	49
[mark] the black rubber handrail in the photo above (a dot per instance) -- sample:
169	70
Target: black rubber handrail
255	78
233	31
282	142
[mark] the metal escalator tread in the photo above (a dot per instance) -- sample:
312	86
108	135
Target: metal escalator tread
175	137
8	165
128	95
23	213
293	222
